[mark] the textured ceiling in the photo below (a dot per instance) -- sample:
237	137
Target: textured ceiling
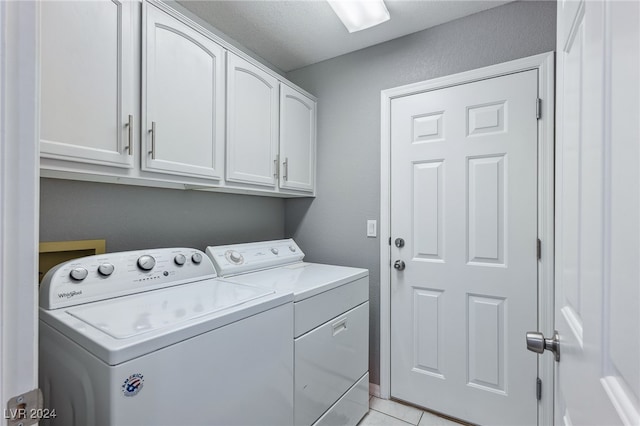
295	33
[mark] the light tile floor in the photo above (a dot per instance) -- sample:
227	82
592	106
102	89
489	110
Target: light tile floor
384	412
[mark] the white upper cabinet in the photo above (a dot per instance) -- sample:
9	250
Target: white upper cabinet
135	92
87	96
252	124
183	99
297	140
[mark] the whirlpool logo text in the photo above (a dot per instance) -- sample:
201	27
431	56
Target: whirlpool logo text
69	294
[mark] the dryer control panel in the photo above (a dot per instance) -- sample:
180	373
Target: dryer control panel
236	259
109	275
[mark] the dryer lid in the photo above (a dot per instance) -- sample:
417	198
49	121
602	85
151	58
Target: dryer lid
303	279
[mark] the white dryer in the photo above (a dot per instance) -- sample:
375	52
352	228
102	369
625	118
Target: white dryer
154	338
331	325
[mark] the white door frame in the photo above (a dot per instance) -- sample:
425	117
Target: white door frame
544	63
19	200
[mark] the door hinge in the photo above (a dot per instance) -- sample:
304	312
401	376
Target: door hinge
538	108
539	249
25	409
538	389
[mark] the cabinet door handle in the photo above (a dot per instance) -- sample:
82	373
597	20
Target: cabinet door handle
285	164
130	126
275	168
153	140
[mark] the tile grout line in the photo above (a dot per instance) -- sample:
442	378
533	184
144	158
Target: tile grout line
422	411
398	418
399	404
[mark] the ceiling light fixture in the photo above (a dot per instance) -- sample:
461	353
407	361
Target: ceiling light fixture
359	15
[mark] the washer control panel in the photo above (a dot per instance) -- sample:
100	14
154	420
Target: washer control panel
109	275
241	258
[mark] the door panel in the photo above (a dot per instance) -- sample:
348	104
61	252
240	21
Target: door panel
427	211
464	197
428	333
485	218
486	325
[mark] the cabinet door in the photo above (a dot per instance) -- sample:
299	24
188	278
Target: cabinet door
87	81
252	123
183	99
297	140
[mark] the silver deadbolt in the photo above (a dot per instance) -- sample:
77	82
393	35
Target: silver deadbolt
399	242
537	343
399	265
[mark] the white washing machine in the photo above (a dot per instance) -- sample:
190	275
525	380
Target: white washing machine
331	325
154	338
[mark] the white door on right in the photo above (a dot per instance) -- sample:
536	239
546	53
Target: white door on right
598	213
464	199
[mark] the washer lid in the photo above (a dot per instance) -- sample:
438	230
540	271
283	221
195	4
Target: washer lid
124	328
130	316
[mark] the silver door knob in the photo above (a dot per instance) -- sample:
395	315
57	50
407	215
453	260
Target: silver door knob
537	343
399	265
399	242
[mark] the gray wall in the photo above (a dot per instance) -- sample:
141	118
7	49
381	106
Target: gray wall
332	228
132	217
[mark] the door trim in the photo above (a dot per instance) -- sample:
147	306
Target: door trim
19	203
545	65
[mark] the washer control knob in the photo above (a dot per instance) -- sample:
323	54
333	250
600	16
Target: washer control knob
196	258
292	248
180	259
234	257
106	269
78	274
146	262
274	250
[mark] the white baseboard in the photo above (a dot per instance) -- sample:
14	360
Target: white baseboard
374	390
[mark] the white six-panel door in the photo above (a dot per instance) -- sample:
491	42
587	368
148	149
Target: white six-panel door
464	199
598	213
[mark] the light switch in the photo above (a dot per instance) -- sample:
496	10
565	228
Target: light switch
372	228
